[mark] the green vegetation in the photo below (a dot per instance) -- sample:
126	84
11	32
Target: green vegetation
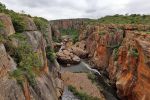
50	54
1	24
2	7
1	38
122	19
71	32
41	23
55	39
134	52
17	18
18	22
27	60
115	54
101	33
92	77
80	95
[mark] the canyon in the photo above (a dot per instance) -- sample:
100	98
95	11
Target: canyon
60	59
119	52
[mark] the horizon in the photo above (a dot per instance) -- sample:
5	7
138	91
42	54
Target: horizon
65	9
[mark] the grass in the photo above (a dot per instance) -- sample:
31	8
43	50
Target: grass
121	19
80	95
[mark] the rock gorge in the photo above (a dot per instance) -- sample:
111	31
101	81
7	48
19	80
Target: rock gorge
48	84
121	53
28	63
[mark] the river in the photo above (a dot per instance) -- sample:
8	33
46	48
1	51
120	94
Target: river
107	90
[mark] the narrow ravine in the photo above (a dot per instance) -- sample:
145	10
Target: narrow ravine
107	90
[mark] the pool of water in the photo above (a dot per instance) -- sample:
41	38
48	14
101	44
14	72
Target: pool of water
108	91
75	68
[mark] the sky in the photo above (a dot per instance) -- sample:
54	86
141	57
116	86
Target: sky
66	9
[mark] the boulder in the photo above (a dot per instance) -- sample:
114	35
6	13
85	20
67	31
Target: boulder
66	57
29	24
7	26
79	52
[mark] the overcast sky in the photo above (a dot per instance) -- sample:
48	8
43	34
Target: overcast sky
64	9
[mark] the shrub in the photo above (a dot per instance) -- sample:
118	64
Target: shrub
2	7
17	18
1	24
18	75
17	21
134	52
71	32
101	33
1	38
50	54
41	23
115	54
80	95
92	77
27	60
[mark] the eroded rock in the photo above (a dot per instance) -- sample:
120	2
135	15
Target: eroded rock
7	26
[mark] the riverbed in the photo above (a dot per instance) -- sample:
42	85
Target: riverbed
107	90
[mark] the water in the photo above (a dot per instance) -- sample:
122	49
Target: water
107	90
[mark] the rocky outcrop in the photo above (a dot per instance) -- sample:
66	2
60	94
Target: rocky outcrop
100	43
10	90
67	23
71	54
66	57
29	24
129	71
45	88
48	87
6	27
122	52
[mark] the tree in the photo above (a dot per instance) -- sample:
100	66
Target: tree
2	7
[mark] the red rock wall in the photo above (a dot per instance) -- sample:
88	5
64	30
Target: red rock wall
129	72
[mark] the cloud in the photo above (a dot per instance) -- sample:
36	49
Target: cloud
63	9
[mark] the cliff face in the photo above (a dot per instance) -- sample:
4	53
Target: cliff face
65	24
68	23
48	85
121	52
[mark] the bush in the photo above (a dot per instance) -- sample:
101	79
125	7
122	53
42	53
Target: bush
27	60
1	38
92	77
71	32
134	52
80	95
115	54
42	25
18	75
1	24
50	54
17	18
2	7
101	33
17	21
